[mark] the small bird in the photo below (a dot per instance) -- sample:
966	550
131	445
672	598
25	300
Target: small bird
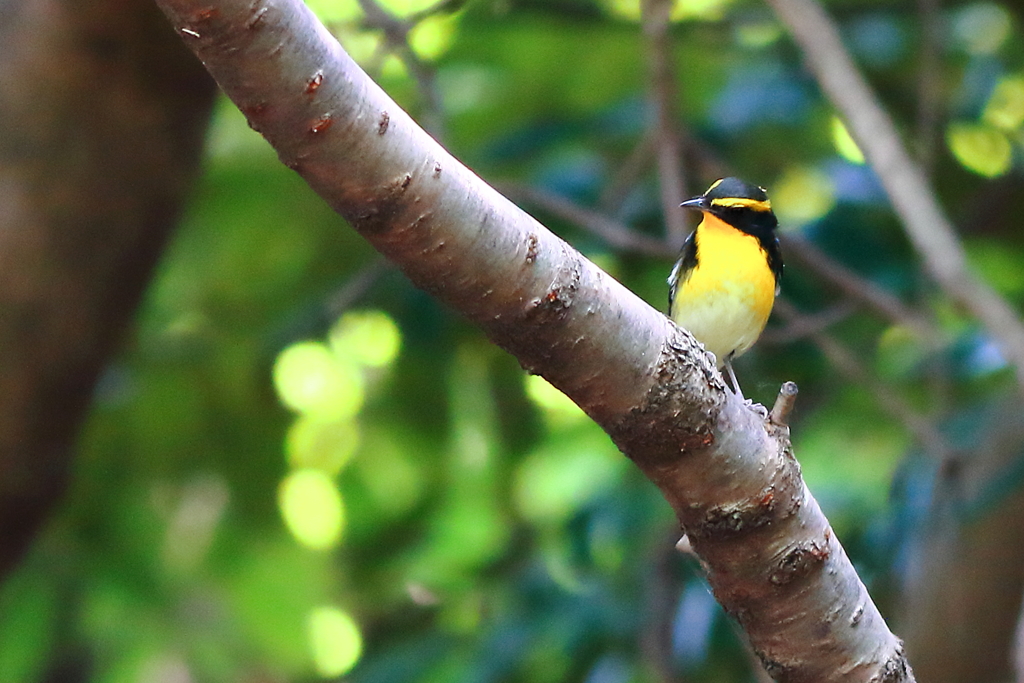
724	284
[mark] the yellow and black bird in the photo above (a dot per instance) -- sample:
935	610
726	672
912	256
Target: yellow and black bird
723	286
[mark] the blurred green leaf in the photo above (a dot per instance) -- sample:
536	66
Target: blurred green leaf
980	148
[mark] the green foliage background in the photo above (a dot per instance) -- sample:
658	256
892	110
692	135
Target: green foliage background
490	533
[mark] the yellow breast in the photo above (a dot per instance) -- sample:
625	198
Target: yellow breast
726	299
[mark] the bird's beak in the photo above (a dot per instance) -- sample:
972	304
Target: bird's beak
698	203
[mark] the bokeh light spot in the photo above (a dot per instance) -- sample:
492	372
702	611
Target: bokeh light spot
311	380
1005	108
552	485
981	28
624	9
801	195
326	445
980	148
757	34
708	10
392	475
430	38
403	8
1000	263
552	401
900	353
334	639
362	46
333	11
369	338
394	68
312	508
844	144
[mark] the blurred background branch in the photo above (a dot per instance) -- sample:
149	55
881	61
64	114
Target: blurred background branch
396	41
923	429
664	83
858	288
930	231
929	85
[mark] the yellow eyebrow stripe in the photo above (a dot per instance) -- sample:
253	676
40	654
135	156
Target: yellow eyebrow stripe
752	204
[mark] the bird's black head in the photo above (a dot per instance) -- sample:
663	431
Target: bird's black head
740	204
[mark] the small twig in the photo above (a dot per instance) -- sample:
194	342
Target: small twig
378	17
614	233
396	40
843	360
865	292
929	84
784	403
663	590
858	288
355	287
439	7
704	157
809	324
663	95
626	174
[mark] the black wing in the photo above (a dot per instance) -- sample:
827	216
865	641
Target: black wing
683	267
774	252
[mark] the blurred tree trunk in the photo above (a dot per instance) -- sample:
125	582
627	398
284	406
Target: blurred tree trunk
963	593
102	113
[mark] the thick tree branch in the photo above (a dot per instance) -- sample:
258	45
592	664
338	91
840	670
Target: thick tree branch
929	229
771	557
